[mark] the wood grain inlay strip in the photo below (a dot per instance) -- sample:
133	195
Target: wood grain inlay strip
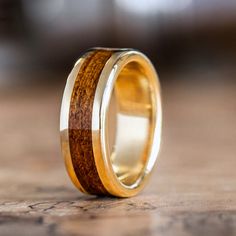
80	121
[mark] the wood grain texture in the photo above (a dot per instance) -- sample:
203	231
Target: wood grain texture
192	191
80	122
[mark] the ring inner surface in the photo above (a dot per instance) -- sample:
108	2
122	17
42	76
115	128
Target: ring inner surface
129	129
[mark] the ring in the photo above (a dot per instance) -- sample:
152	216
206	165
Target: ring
110	122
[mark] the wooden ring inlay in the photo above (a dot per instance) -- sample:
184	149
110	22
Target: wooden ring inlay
80	121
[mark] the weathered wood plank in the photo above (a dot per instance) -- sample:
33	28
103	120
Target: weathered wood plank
192	192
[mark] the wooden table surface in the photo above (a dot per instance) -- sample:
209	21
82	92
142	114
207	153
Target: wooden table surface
192	190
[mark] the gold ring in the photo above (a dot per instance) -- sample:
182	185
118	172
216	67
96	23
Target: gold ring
110	121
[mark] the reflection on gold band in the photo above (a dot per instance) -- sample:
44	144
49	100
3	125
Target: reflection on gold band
111	122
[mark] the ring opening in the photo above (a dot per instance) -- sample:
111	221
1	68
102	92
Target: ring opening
130	123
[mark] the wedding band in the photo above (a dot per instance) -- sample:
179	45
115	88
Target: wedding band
110	122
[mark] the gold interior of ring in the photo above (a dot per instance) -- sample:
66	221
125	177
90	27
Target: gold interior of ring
130	123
